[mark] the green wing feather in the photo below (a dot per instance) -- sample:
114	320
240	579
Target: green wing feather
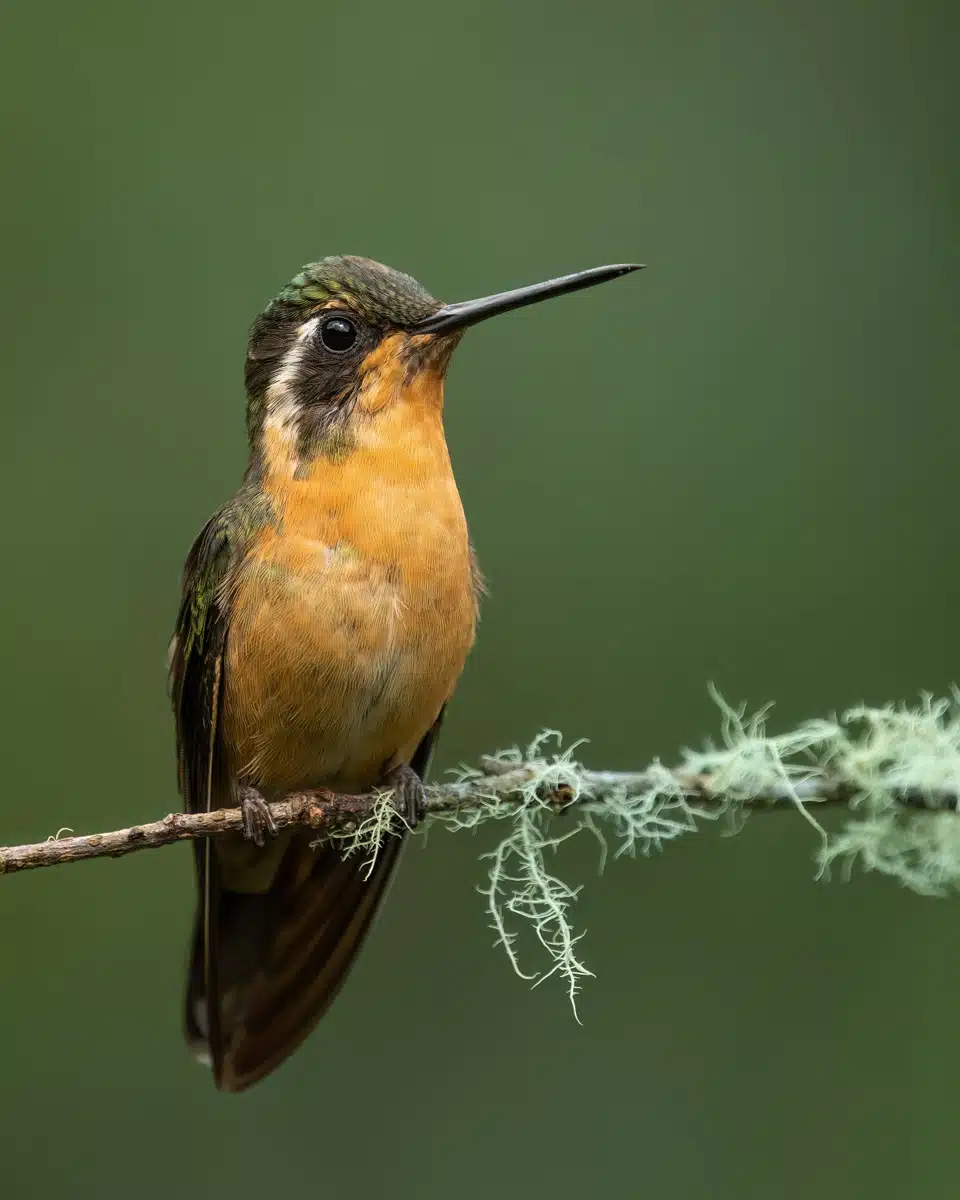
196	653
196	660
196	686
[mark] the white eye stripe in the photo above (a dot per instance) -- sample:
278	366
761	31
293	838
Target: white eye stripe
307	328
281	402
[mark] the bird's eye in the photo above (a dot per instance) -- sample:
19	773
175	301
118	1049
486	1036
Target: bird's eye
338	334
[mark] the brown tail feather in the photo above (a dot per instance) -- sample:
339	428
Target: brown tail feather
277	959
273	961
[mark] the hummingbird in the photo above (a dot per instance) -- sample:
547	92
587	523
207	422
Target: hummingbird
326	614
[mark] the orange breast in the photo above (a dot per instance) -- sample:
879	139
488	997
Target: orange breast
353	618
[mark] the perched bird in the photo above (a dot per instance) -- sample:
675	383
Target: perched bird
326	614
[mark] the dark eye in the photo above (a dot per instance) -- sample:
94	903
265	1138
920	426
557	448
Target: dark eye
338	334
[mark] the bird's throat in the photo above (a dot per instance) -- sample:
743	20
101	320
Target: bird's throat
377	479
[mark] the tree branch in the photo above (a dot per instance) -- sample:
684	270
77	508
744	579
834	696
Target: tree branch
896	770
500	782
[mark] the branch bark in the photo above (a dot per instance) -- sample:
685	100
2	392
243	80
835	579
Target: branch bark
326	812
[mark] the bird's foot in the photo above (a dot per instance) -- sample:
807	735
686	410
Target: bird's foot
409	797
257	817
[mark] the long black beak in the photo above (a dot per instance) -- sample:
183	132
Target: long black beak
469	312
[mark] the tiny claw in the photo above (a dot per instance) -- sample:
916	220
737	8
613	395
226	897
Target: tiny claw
407	787
257	817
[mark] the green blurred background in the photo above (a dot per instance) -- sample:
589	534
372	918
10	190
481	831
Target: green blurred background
739	466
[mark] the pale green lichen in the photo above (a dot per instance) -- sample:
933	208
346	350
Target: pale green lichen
367	836
876	759
645	818
518	882
886	754
750	764
521	891
877	756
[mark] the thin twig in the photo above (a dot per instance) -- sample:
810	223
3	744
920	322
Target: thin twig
327	812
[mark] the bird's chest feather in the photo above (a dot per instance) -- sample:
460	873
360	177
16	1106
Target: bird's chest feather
351	622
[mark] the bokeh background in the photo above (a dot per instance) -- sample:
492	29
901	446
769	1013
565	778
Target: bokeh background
739	466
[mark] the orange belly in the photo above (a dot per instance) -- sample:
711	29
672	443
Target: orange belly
336	669
353	616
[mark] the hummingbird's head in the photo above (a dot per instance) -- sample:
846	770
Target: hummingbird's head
348	337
